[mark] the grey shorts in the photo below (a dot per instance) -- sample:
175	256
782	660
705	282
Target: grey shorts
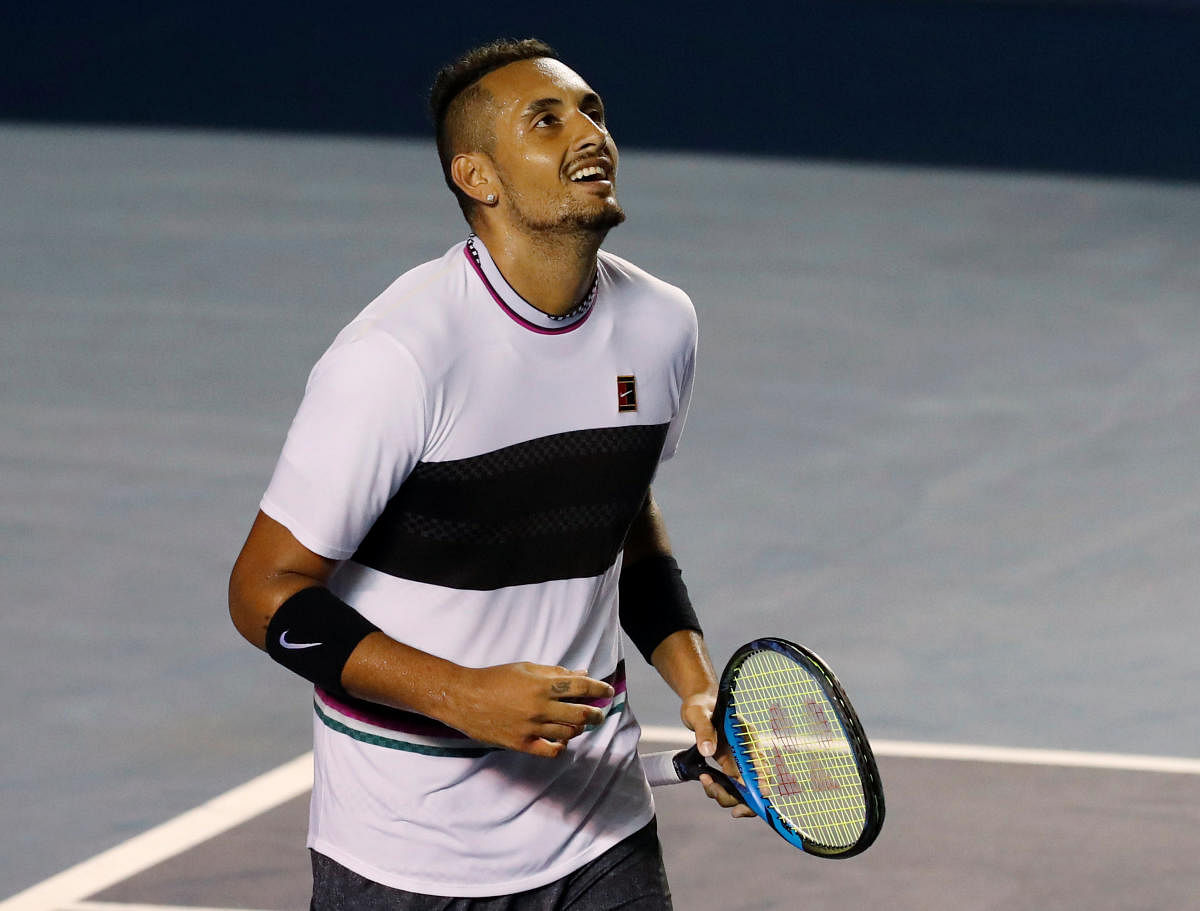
628	876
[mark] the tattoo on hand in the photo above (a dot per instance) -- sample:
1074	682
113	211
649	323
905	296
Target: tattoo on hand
560	686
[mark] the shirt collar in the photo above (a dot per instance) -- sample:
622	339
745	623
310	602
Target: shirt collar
519	309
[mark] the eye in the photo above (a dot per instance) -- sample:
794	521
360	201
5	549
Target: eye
546	119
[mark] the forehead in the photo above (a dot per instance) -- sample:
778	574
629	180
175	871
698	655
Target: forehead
518	84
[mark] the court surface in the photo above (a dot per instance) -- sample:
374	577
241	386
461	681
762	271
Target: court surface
1027	829
945	432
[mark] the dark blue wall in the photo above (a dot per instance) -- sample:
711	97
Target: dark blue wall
1104	87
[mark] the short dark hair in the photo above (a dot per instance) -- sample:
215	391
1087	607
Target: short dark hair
452	90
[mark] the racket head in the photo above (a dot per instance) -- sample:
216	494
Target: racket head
806	766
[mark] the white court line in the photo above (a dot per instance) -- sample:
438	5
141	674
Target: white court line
907	749
1122	762
172	837
67	890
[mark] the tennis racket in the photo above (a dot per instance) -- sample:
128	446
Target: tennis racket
805	763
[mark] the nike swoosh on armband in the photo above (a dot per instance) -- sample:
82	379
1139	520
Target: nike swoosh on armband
283	641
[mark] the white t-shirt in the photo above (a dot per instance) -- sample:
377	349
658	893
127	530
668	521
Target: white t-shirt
476	464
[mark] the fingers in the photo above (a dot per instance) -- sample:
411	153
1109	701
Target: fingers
550	740
728	764
578	686
718	793
573	717
731	802
577	700
567	708
549	749
696	713
529	707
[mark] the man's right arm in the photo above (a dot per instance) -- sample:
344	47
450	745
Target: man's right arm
522	706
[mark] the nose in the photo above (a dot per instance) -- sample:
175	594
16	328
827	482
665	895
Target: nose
591	133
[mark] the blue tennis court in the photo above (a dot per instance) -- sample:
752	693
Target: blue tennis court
944	432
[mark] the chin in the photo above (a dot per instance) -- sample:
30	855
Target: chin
593	219
609	220
603	220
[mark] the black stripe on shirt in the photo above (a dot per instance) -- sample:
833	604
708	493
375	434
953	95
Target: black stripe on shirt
557	507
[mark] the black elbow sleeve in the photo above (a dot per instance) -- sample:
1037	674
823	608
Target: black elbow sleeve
654	602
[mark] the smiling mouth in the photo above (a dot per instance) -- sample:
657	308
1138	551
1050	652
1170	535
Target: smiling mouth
594	170
589	174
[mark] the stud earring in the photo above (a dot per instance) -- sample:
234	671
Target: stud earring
491	199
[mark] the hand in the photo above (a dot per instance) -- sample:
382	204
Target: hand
532	708
696	713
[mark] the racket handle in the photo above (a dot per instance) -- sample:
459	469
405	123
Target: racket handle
660	768
672	767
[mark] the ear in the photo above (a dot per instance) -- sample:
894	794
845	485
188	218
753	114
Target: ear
472	173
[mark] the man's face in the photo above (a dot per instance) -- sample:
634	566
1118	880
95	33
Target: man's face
556	163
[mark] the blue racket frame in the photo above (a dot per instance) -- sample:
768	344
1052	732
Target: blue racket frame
689	764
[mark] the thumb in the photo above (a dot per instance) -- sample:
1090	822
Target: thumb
697	715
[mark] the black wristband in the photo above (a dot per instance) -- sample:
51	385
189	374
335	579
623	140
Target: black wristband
654	602
313	633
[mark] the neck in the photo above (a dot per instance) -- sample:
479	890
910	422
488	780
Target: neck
551	271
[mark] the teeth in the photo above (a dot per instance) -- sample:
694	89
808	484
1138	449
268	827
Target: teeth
592	171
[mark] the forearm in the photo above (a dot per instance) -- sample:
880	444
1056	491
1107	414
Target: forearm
522	706
682	660
391	673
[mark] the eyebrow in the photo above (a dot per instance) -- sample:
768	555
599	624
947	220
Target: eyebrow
542	104
545	104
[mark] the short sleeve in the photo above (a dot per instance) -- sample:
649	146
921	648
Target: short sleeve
358	433
685	371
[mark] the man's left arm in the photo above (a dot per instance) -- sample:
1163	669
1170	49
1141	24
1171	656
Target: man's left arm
657	615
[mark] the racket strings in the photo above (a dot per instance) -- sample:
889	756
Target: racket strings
813	796
799	749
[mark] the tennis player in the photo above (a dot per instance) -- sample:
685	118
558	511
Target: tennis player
460	523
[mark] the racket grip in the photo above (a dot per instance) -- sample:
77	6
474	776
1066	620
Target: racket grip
660	768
